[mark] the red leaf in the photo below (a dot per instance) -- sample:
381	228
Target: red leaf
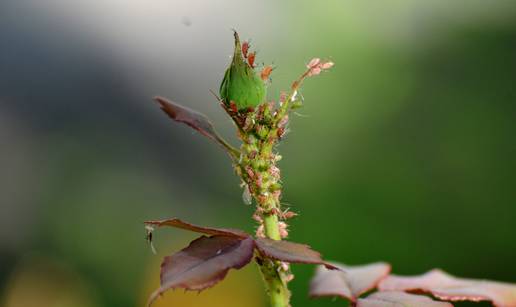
177	223
195	120
289	252
349	282
394	299
203	263
448	287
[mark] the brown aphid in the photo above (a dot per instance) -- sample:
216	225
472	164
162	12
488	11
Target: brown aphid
250	172
266	72
250	59
257	218
288	215
233	106
245	49
275	211
281	132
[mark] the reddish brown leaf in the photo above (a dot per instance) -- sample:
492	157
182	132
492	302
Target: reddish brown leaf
450	288
203	263
195	120
177	223
395	299
349	282
289	252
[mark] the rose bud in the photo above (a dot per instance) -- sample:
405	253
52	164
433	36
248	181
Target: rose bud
242	85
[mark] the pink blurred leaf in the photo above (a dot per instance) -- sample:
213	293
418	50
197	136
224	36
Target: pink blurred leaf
289	252
196	121
395	299
349	282
177	223
203	263
450	288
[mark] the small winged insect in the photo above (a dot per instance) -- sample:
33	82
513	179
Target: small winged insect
246	195
149	230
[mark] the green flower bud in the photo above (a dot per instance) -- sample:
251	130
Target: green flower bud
241	84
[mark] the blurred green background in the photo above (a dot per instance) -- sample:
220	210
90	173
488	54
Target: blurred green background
405	152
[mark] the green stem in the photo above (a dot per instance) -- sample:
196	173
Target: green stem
271	270
257	168
276	287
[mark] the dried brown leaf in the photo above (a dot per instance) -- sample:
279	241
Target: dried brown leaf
177	223
289	252
395	299
349	282
195	120
447	287
203	263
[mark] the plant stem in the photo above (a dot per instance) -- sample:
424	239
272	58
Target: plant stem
260	130
271	270
257	168
276	288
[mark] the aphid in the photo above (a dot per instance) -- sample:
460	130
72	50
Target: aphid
262	198
248	122
289	214
253	154
246	195
283	97
266	72
250	172
250	59
327	65
285	267
276	194
245	49
257	217
313	63
283	229
281	132
259	180
260	232
274	171
233	106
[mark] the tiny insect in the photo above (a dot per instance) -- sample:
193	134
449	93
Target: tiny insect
266	72
149	230
281	132
250	59
245	49
233	106
246	195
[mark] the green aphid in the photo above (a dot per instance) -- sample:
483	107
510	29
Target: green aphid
241	84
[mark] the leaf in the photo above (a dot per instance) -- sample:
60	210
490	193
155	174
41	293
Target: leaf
289	252
450	288
177	223
395	299
195	120
349	282
203	263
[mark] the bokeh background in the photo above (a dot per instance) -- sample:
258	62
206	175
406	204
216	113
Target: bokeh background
405	152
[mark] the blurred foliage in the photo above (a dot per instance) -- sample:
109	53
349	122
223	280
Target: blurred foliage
403	153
